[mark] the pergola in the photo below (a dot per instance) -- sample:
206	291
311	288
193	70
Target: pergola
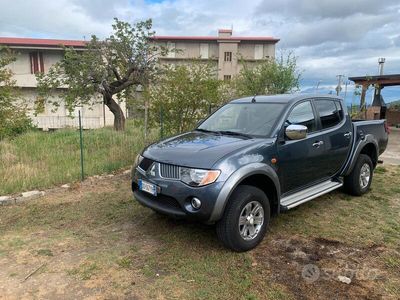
379	81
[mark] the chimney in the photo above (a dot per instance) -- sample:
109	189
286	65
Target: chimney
381	62
224	33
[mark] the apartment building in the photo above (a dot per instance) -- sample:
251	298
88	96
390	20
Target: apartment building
38	55
224	50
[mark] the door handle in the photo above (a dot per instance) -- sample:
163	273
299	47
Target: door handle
347	134
317	144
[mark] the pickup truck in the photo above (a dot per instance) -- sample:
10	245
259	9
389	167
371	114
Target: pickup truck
256	157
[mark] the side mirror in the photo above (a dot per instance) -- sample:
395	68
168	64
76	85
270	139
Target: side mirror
296	132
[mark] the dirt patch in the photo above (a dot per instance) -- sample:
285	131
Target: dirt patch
310	268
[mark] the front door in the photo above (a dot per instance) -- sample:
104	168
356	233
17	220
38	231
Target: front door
300	161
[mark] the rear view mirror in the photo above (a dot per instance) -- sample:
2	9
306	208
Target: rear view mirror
296	132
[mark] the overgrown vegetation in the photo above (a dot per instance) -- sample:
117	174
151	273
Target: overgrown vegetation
272	76
13	119
42	159
184	94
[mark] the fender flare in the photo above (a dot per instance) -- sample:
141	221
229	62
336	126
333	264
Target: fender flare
369	139
234	180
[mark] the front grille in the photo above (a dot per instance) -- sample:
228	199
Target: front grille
169	171
145	163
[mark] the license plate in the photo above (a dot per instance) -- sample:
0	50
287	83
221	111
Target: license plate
147	187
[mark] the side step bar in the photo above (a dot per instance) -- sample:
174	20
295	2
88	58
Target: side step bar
308	194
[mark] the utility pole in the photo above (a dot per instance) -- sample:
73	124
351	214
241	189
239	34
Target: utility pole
316	89
345	89
339	86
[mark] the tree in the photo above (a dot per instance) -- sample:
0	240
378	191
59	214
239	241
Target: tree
110	68
183	95
272	76
13	118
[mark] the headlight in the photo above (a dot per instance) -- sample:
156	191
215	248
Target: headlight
138	160
198	177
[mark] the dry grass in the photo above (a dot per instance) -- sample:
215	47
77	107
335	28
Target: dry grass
98	243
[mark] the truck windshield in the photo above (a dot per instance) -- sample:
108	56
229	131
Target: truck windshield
254	119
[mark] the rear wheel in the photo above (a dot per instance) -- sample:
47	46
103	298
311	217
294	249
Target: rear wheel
245	219
359	180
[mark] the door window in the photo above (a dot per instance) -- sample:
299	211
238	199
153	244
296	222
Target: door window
302	114
330	112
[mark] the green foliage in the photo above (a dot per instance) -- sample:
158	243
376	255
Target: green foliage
183	95
106	68
13	119
272	76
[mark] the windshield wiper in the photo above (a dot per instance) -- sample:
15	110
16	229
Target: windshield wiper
203	130
227	132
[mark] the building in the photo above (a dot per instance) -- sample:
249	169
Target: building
224	50
38	55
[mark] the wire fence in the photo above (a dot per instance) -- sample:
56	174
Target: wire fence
41	159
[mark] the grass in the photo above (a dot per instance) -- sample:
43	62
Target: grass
38	160
101	244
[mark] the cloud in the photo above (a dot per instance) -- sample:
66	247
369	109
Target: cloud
312	10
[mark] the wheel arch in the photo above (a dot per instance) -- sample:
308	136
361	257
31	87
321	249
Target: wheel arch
368	146
259	175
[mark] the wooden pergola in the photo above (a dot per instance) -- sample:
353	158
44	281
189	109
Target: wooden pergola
379	82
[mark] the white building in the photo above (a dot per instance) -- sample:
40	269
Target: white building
37	55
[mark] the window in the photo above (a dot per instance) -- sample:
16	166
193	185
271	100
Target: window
36	59
171	50
258	51
227	77
303	114
330	112
227	56
256	119
204	50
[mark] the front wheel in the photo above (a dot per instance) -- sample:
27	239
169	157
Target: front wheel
360	178
245	219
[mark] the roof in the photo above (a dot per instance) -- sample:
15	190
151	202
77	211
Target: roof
283	98
31	42
382	80
215	38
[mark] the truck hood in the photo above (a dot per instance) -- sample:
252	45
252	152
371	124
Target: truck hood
196	149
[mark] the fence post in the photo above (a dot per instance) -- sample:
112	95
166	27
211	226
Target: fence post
161	123
81	145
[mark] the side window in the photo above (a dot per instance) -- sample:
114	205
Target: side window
302	114
330	112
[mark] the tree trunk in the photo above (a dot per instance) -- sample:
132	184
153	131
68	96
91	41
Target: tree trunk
119	118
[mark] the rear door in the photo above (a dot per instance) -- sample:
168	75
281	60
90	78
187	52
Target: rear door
336	132
300	161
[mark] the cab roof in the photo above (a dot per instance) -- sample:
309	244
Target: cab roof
283	98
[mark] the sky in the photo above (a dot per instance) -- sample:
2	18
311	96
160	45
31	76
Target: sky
329	37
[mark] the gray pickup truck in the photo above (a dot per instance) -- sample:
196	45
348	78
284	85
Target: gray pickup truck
256	157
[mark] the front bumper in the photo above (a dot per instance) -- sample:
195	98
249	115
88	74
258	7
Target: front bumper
174	196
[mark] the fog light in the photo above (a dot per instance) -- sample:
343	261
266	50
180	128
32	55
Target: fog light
196	203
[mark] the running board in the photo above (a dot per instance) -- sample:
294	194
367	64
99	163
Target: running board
308	194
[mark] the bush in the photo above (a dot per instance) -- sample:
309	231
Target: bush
13	118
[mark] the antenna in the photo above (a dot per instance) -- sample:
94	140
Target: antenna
253	100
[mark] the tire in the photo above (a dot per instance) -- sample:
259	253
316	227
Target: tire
244	199
353	183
